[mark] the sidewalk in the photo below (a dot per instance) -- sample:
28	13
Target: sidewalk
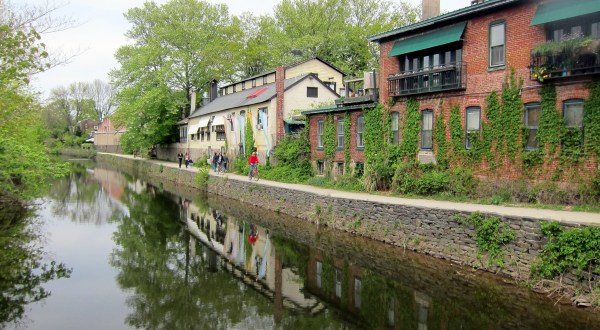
534	213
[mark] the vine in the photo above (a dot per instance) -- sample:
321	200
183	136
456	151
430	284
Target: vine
375	156
441	141
249	137
491	129
490	235
410	131
329	143
591	121
550	121
457	134
347	123
511	115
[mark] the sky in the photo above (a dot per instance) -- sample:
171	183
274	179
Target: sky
100	32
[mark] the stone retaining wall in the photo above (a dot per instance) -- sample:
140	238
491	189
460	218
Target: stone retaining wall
434	232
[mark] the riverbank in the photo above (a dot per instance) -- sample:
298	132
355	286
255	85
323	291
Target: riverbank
429	227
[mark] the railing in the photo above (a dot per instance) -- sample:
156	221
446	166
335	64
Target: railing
441	78
548	67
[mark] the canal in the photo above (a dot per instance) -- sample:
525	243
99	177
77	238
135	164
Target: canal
146	254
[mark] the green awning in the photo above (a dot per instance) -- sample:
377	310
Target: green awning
428	40
559	10
294	122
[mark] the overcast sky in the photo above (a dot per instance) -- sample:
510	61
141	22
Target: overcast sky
101	29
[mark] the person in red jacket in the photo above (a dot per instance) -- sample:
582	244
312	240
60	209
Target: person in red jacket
253	162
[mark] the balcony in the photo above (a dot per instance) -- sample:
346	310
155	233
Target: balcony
438	79
574	55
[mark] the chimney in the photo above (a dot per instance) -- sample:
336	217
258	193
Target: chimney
214	90
280	89
431	8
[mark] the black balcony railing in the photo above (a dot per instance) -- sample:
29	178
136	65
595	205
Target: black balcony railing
437	79
549	67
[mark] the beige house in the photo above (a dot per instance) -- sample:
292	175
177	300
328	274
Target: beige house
269	101
106	137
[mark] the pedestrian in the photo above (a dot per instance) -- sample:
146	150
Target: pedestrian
253	162
180	157
215	160
225	162
187	159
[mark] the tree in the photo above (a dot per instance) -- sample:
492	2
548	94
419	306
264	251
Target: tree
103	96
177	48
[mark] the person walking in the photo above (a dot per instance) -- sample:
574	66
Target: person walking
215	161
253	162
187	159
225	162
180	157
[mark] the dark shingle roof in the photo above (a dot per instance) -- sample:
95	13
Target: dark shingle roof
240	99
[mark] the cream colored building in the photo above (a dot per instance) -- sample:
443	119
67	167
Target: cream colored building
107	137
268	102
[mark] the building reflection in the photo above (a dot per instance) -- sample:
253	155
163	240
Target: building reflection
246	251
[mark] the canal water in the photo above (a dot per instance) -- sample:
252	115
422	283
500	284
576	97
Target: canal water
146	254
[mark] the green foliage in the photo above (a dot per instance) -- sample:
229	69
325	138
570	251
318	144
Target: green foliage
511	116
441	142
202	177
591	120
377	171
329	138
491	129
249	138
576	248
347	137
491	234
550	121
457	133
410	131
293	159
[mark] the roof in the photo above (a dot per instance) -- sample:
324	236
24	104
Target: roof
334	108
248	97
286	67
448	18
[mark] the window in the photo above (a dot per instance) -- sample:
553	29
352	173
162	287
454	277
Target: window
330	85
320	167
340	134
497	43
395	130
359	170
220	136
319	273
242	128
340	168
531	122
595	30
264	80
312	92
573	117
338	283
426	130
360	126
472	118
260	117
254	82
357	292
320	129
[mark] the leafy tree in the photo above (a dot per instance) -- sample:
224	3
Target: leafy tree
177	48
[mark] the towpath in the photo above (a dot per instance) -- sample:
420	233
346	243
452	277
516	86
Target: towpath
584	218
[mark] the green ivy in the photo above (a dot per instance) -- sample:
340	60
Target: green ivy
376	166
441	142
577	248
457	133
512	115
490	235
249	138
491	129
329	143
550	121
410	131
591	121
347	159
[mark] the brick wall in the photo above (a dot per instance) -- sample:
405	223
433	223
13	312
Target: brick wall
481	80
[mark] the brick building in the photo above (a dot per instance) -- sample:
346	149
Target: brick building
459	58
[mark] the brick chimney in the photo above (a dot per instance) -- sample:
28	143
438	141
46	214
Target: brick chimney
430	8
280	89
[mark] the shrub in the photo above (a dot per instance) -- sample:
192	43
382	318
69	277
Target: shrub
431	183
201	178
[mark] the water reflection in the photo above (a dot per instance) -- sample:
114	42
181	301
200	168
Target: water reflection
188	261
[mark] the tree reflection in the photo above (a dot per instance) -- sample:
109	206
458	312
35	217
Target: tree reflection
172	287
23	265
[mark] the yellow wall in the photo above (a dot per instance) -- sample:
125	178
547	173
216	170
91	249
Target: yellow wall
323	71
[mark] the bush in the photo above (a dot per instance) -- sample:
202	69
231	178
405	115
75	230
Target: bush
431	183
201	178
461	182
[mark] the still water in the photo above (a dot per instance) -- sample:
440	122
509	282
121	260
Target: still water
150	255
